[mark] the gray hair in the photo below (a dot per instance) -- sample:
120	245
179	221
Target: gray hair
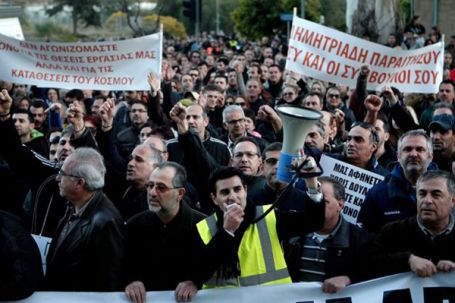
338	188
179	179
415	133
436	174
232	109
88	164
155	154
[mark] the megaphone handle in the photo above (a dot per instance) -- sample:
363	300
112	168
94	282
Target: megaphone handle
304	175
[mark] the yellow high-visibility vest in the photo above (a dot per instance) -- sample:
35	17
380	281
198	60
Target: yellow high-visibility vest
261	257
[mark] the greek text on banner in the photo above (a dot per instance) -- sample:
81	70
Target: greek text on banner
114	65
327	54
403	288
356	181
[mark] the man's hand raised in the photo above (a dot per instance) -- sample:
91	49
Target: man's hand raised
5	103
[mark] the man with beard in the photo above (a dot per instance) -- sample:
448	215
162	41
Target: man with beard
160	242
46	207
442	135
395	197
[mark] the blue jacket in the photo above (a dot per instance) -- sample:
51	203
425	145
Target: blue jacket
390	200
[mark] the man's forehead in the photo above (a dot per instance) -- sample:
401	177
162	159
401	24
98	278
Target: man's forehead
433	184
245	146
228	183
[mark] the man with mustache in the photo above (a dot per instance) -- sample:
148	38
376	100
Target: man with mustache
423	244
361	145
395	197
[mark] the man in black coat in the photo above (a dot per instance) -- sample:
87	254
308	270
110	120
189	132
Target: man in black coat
423	244
159	249
20	262
86	253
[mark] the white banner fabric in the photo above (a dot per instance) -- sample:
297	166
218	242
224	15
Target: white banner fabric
403	288
330	55
113	65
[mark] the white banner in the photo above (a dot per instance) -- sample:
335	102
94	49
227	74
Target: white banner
114	65
330	55
403	288
11	27
356	182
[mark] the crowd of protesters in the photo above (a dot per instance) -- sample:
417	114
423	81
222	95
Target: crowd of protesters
167	189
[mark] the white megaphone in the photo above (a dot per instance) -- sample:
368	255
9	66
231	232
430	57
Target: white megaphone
297	123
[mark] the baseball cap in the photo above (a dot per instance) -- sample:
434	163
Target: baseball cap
443	121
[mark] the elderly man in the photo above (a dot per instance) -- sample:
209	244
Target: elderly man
395	198
337	246
229	256
86	253
423	244
234	123
170	223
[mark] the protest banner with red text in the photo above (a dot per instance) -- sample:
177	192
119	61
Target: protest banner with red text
330	55
113	65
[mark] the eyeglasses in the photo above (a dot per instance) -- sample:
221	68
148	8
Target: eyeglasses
334	96
240	103
194	75
288	94
61	174
271	161
234	122
141	111
160	187
249	155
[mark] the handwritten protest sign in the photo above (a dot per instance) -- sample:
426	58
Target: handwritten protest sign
114	65
327	54
356	181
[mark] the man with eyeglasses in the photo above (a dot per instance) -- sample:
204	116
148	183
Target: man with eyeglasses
160	242
46	207
86	253
395	197
234	123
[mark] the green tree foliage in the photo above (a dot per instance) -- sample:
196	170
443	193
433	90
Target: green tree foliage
312	8
256	18
85	11
334	12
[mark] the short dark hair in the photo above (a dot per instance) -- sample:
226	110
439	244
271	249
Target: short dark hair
25	111
448	81
222	173
275	146
212	87
338	188
248	139
38	103
434	174
75	93
138	101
